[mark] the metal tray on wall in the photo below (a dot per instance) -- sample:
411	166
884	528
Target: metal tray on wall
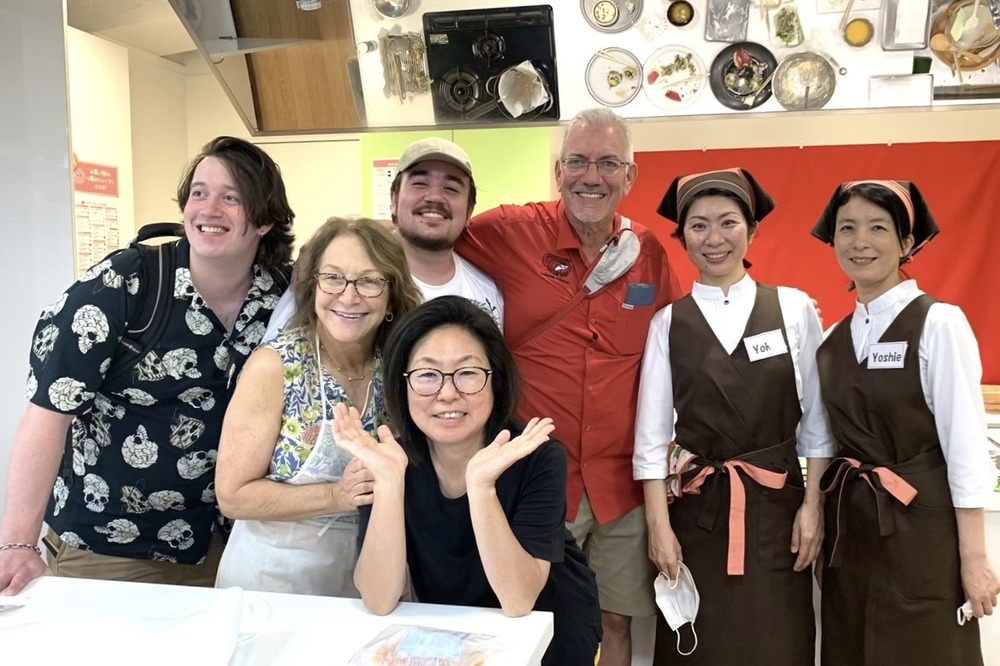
726	20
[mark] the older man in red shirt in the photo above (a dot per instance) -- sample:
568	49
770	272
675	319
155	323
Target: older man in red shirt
578	345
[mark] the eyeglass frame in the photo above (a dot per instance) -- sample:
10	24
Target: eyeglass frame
444	375
374	279
584	165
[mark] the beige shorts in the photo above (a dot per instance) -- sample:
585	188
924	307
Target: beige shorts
618	552
70	562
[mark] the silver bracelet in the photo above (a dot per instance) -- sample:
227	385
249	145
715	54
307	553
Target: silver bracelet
21	546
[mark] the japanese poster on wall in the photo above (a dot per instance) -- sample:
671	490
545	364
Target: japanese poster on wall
96	212
383	172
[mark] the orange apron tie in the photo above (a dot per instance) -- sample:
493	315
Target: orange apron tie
738	504
888	482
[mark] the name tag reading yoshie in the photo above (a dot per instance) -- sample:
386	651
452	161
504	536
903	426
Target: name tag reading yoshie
884	355
765	345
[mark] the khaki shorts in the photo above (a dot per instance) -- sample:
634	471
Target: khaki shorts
618	552
70	562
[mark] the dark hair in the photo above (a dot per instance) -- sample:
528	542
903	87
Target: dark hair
261	189
437	313
385	251
397	182
714	192
880	196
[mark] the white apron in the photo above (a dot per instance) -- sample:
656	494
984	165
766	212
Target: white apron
310	556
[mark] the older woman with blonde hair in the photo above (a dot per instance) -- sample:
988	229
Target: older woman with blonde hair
293	491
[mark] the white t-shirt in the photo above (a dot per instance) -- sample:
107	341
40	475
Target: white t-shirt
471	283
468	281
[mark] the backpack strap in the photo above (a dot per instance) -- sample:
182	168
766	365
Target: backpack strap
158	264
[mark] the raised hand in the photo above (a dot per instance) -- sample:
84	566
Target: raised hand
384	457
490	462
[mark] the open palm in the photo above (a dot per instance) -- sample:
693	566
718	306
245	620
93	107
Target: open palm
384	456
490	462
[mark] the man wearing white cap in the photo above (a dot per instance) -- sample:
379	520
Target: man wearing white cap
433	196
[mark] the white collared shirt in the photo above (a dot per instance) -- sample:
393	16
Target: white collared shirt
727	314
950	374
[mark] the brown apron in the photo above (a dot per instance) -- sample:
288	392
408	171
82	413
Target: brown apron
891	577
739	417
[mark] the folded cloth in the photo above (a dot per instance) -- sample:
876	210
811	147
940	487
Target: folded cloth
127	630
678	460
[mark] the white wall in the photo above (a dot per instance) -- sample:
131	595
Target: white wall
321	173
159	134
35	189
100	114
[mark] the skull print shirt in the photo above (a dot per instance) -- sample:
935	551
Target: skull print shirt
137	475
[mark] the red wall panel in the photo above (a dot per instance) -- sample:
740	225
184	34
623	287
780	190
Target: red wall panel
960	182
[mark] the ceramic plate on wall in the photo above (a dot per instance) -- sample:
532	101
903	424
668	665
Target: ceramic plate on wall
611	15
614	76
673	77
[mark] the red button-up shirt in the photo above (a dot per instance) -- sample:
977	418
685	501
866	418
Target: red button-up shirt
584	370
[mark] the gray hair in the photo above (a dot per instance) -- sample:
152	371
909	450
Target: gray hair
603	117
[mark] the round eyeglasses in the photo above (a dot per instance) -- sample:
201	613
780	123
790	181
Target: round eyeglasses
608	167
429	381
334	284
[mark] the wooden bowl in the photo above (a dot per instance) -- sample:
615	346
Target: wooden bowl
983	53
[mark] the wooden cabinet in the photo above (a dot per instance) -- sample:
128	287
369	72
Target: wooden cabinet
304	87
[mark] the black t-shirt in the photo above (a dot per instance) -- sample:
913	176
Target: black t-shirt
137	477
444	562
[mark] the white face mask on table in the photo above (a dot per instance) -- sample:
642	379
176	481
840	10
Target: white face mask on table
678	600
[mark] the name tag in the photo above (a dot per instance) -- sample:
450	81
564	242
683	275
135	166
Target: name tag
883	355
765	345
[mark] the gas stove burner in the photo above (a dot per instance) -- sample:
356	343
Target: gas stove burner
490	47
468	50
460	90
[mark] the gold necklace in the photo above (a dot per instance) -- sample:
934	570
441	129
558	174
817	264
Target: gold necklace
341	370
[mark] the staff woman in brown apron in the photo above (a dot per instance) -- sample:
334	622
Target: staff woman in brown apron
905	544
736	360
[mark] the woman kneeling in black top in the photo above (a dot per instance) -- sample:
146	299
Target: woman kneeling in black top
477	517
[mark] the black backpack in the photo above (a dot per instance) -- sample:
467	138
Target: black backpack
158	266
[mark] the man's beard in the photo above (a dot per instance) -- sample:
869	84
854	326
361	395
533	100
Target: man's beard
439	244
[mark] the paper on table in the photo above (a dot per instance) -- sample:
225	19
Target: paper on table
152	632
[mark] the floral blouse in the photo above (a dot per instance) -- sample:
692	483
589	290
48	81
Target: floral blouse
302	416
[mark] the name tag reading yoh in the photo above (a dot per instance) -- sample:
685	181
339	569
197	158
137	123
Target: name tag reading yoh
885	355
765	345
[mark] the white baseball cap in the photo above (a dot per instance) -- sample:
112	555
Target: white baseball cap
435	148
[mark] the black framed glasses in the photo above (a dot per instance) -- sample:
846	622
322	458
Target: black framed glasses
367	286
430	381
607	167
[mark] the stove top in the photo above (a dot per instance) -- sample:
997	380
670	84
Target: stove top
467	51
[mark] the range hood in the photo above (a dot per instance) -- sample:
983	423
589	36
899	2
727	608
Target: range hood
286	70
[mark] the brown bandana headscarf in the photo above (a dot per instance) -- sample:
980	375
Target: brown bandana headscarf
736	180
919	221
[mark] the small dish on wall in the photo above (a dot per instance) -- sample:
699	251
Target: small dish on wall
614	76
858	32
680	13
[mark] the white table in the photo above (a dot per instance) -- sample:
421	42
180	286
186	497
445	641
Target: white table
109	621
